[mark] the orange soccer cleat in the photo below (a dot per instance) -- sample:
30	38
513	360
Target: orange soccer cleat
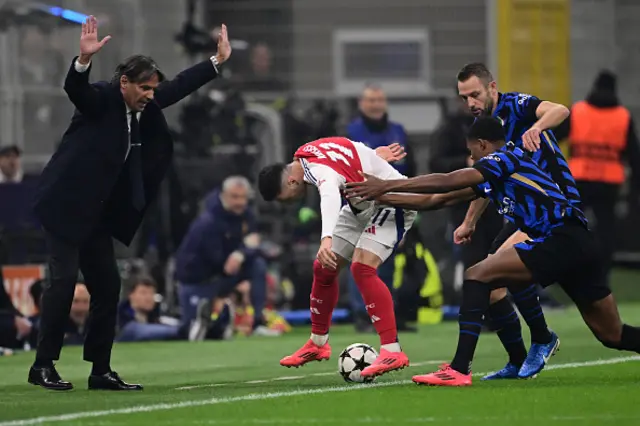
385	363
446	376
309	352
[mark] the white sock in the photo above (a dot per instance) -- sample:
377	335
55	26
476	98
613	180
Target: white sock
319	339
392	347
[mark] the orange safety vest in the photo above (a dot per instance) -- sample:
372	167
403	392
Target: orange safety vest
597	139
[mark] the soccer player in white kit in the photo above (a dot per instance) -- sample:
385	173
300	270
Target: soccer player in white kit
363	232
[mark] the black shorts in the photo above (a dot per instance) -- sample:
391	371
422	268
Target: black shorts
507	230
569	256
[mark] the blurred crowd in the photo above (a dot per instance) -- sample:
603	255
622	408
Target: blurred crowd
214	264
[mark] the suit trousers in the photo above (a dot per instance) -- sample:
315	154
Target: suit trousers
96	260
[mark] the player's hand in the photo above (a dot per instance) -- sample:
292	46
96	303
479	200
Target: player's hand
462	235
233	263
369	189
89	43
224	47
391	153
531	139
326	256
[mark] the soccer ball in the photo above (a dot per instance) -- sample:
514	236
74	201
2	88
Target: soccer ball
353	360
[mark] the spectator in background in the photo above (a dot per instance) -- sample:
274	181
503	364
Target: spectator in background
220	251
10	165
139	316
602	140
76	326
15	329
374	129
75	330
260	76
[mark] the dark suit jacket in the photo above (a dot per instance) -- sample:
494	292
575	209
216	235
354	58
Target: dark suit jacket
84	184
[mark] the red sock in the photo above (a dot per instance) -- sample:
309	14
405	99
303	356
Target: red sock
379	302
324	297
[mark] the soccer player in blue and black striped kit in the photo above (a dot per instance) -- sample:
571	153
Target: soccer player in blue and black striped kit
560	248
527	122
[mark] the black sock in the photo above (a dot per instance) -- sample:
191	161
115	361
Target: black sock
529	306
475	302
100	369
43	363
630	340
506	321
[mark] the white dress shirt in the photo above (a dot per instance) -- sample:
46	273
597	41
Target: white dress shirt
129	112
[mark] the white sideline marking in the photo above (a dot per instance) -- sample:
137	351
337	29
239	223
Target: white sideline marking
277	379
263	396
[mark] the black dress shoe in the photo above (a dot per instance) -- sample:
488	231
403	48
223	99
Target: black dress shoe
48	378
111	381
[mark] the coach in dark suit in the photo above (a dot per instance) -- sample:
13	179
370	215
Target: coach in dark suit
98	185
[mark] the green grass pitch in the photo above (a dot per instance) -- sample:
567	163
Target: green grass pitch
241	383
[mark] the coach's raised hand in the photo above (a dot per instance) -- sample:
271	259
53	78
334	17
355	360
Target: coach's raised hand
89	43
224	47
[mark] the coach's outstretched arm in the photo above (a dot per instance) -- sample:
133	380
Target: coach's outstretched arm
427	201
435	183
87	98
191	79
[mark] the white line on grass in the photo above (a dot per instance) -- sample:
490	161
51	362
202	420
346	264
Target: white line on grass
263	396
283	378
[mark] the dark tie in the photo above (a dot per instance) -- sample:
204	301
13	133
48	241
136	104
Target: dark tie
135	165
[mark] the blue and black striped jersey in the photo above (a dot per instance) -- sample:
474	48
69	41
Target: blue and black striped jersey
523	193
517	112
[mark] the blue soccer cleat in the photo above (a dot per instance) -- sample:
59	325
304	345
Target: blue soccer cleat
538	356
510	371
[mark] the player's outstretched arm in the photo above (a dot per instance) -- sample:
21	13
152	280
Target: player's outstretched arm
435	183
428	201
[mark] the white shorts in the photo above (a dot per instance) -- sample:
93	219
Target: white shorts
377	230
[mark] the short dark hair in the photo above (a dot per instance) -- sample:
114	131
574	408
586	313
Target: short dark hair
6	151
477	69
137	68
487	128
270	181
143	281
